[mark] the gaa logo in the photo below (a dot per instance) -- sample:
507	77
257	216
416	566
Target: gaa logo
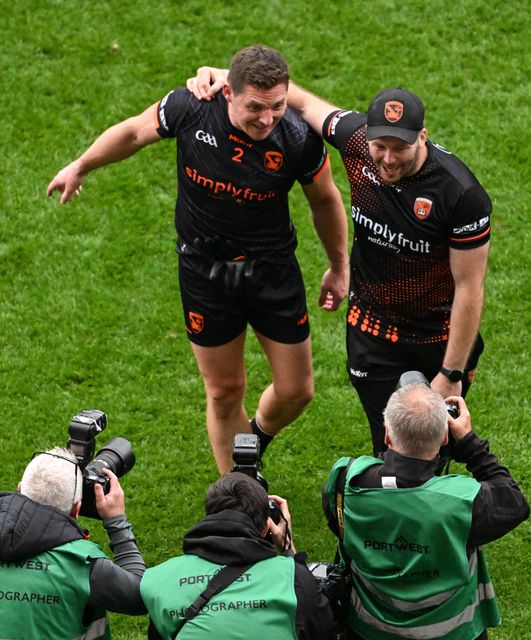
206	137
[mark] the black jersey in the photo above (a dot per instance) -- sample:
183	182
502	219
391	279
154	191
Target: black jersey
401	284
231	185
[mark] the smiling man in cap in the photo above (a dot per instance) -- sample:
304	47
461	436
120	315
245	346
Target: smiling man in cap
419	258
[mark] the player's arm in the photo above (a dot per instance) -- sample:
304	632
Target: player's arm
468	269
116	143
310	107
207	82
330	222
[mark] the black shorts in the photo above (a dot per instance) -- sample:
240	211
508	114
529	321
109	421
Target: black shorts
374	367
272	300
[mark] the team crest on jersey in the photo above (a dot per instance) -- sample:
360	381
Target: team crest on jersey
422	208
393	110
197	322
273	160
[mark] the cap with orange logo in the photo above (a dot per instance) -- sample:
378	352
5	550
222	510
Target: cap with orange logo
397	113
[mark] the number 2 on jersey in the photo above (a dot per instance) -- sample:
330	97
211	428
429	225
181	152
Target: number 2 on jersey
237	157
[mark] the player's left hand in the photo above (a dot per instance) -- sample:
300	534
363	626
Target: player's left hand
334	287
445	387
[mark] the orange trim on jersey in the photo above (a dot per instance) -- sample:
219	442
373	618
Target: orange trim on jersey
321	169
471	239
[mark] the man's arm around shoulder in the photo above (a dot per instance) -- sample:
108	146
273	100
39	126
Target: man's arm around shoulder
311	108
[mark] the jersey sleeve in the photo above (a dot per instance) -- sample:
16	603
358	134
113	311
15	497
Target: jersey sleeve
314	158
470	221
340	125
173	111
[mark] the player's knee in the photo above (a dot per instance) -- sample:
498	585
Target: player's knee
300	395
224	397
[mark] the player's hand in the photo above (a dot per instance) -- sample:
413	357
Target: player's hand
207	82
462	425
112	503
68	182
282	541
445	387
334	287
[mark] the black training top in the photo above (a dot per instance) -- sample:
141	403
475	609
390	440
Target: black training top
231	185
401	284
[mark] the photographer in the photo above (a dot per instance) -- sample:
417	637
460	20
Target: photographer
412	539
54	582
266	595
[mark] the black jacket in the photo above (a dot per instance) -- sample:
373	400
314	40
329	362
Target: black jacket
28	528
230	537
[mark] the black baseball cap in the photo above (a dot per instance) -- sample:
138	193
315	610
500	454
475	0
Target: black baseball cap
397	113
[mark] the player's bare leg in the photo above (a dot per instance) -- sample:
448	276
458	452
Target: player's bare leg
223	372
292	384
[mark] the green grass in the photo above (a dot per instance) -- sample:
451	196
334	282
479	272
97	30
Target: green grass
89	303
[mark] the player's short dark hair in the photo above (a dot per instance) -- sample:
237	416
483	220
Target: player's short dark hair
238	492
259	66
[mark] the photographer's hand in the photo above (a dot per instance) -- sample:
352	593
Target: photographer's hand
112	503
281	532
462	425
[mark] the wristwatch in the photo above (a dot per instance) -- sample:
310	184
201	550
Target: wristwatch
454	375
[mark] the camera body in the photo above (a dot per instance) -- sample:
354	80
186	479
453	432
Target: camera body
416	377
335	583
246	459
117	455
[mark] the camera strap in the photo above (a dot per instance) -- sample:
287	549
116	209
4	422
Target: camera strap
220	581
340	502
340	497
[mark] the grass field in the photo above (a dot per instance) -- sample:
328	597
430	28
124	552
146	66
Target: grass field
89	304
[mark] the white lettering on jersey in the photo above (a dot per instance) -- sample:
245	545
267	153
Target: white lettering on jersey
474	226
385	237
162	115
336	119
208	138
369	174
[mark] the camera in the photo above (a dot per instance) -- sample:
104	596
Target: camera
246	459
117	455
446	451
335	583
